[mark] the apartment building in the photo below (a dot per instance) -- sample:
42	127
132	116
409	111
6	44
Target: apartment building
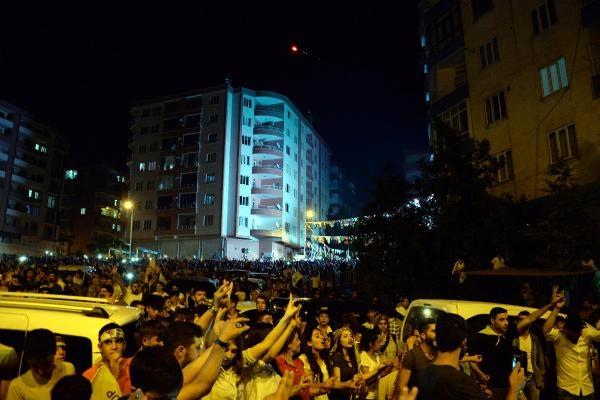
225	172
31	180
344	201
525	75
92	219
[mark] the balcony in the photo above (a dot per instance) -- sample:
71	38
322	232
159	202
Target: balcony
268	111
267	171
274	233
268	132
267	191
268	211
267	152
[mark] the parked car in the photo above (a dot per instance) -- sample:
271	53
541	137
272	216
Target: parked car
476	313
238	274
77	319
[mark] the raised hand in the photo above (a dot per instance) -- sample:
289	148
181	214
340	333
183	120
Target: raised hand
292	308
233	328
223	293
557	297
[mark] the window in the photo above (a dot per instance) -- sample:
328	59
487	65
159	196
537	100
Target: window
51	202
142	148
212	138
208	220
481	7
211	157
40	148
170	124
554	77
189	160
244	200
169	144
187	200
505	167
147	224
139	186
116	203
151	165
82	211
150	185
167	163
488	53
163	223
245	160
71	174
244	180
186	221
214	100
287	187
457	118
149	205
247	102
165	182
562	143
247	140
164	202
120	179
247	121
189	179
141	166
495	108
443	29
153	147
191	139
210	178
213	119
209	199
287	150
287	227
192	121
136	225
543	17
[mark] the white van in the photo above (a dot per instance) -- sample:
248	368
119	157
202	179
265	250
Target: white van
77	319
477	314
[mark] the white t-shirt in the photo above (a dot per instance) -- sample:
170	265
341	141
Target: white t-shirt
228	386
324	371
526	345
26	387
260	379
372	365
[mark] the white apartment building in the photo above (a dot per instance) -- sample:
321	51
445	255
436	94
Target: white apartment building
225	172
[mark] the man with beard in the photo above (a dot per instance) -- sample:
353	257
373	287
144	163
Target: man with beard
419	357
52	285
443	379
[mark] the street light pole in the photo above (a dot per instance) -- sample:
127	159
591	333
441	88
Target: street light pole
128	205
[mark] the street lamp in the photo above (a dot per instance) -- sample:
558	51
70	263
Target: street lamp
128	205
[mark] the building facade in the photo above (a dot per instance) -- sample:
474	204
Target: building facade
31	182
344	201
225	172
525	75
92	220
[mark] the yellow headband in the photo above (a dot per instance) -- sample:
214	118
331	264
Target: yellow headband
111	334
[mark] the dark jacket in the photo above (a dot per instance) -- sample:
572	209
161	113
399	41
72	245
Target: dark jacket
537	359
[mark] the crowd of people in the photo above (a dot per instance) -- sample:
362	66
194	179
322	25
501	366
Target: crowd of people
189	346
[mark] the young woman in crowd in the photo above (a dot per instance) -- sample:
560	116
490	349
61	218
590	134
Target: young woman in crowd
390	356
345	366
371	365
315	357
287	360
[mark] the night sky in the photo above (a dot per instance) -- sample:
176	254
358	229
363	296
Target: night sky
80	66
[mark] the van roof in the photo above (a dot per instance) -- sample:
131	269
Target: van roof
468	309
87	306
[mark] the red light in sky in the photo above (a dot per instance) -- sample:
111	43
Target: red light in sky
294	48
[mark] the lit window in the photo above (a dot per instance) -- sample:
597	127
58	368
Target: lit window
142	166
554	77
71	174
82	211
109	212
51	202
116	203
505	167
151	165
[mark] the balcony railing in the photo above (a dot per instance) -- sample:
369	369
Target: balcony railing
267	146
274	186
